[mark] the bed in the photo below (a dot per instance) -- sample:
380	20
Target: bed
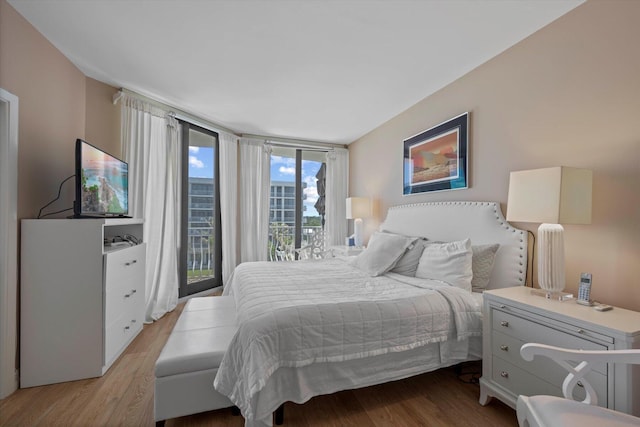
317	327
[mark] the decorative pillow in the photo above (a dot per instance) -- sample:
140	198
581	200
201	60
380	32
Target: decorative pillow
382	253
408	262
449	262
482	265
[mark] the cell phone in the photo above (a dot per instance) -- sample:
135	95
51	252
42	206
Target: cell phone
584	289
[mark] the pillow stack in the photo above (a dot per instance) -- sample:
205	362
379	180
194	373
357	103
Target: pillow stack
458	263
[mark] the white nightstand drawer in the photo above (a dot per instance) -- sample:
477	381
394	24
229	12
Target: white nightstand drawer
528	331
518	381
508	348
526	382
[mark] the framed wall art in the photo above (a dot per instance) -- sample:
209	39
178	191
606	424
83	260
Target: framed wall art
436	159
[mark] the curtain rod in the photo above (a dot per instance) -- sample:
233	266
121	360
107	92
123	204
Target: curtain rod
307	148
175	112
287	142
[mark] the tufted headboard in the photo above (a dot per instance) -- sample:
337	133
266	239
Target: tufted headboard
482	222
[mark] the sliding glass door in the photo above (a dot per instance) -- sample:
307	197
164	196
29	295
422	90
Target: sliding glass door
201	247
296	208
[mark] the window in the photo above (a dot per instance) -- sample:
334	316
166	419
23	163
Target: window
296	207
201	247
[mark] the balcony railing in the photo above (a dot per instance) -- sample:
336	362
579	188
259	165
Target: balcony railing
281	248
282	239
200	256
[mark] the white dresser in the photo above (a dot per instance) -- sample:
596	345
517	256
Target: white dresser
82	302
513	317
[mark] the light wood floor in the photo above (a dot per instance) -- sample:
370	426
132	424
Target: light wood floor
124	397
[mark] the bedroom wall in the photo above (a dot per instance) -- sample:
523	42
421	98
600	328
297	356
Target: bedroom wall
58	104
52	111
567	95
102	123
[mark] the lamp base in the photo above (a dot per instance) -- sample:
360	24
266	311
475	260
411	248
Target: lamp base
551	257
358	232
554	295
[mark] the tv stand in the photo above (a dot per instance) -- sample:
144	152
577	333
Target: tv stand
76	216
82	302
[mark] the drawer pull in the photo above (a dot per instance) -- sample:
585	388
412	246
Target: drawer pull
127	328
130	262
504	374
503	306
133	291
504	347
127	295
504	323
581	331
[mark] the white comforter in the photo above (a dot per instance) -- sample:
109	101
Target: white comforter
296	313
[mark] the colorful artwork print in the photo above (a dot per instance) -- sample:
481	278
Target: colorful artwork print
436	159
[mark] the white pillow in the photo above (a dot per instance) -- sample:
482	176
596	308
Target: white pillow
408	262
450	262
482	265
382	253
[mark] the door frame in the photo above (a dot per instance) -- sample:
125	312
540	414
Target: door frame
8	242
184	289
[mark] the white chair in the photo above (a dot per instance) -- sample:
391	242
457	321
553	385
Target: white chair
551	411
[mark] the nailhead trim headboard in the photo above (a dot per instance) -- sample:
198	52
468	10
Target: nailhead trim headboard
482	222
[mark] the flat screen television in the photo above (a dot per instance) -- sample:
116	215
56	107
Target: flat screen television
102	183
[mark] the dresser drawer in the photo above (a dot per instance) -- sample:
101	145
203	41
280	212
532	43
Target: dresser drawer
508	349
518	381
124	328
124	282
123	298
118	301
527	330
123	266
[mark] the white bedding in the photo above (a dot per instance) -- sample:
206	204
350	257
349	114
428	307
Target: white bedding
306	314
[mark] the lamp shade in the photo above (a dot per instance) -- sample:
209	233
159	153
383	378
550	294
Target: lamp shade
558	195
358	207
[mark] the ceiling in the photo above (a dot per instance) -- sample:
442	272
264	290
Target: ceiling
327	71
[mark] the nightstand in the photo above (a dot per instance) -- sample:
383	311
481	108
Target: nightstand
513	317
345	250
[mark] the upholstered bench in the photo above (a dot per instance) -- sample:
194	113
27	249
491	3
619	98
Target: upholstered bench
189	361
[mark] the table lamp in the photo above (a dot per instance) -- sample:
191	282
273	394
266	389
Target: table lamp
358	208
551	196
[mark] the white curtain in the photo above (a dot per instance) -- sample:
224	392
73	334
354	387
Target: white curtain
151	146
255	187
228	202
337	187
